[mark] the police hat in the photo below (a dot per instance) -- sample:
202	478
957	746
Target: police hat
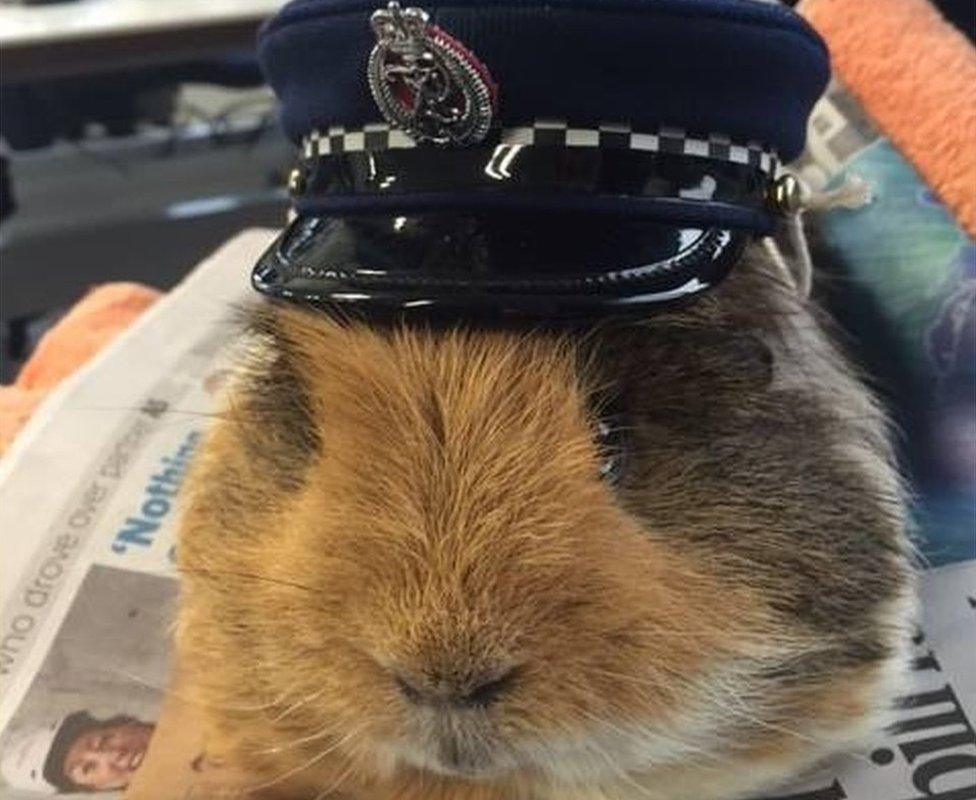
541	159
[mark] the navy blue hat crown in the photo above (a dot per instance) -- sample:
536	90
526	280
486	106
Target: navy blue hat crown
745	69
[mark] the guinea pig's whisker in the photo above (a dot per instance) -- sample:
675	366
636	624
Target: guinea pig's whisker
298	704
735	709
319	734
184	411
632	679
343	776
728	703
170	417
304	766
612	762
639	739
642	791
247	576
184	696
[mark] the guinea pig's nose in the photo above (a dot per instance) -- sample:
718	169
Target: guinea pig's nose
479	693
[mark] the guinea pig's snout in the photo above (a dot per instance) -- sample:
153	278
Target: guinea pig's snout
456	691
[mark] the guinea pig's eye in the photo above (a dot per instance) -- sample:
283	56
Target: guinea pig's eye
609	439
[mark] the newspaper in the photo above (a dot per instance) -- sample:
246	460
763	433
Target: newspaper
87	514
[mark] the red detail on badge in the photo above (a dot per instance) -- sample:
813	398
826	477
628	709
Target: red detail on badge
470	58
404	96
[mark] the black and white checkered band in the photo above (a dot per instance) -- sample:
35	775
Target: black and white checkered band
545	133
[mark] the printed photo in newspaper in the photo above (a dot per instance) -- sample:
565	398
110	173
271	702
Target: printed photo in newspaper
86	721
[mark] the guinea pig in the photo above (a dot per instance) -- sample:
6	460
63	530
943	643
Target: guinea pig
662	558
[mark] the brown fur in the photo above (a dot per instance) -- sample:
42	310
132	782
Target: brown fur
409	502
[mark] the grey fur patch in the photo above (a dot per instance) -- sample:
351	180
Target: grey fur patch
785	485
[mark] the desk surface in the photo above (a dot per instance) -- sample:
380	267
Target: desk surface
22	26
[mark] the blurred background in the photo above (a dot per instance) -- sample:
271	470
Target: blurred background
136	136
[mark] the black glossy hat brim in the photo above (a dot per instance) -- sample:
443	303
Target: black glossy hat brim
484	265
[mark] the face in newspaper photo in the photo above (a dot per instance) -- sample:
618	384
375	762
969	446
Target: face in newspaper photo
86	720
77	754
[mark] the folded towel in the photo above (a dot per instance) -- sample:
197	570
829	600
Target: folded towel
915	75
90	325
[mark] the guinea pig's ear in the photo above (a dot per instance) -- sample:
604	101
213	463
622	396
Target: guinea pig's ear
272	403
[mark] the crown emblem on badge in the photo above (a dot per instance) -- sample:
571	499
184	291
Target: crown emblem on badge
426	82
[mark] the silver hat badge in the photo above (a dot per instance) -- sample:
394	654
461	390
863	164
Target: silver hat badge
427	83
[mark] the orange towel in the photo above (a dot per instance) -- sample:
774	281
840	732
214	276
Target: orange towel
915	75
90	325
